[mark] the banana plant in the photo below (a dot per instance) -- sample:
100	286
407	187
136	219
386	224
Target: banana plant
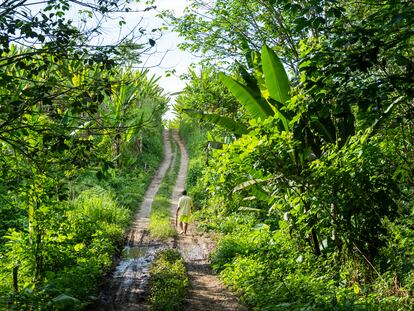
263	97
120	114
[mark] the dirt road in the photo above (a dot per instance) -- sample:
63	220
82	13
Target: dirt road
206	291
126	289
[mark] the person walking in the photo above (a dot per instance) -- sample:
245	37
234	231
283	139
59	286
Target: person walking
184	210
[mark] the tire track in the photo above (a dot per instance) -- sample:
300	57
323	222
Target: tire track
126	288
206	292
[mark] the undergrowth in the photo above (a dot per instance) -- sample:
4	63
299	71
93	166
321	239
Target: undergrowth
79	240
269	273
168	281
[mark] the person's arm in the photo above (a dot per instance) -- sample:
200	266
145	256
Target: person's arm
176	213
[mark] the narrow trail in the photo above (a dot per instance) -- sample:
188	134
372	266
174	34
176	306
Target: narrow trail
206	291
126	288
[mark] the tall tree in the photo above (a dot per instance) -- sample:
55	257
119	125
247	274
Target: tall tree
228	30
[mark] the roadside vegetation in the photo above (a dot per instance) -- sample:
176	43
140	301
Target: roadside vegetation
168	281
80	138
301	149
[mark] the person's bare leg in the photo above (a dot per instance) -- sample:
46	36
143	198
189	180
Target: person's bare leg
185	228
181	226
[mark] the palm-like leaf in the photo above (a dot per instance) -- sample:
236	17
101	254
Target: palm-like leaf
276	79
225	122
256	108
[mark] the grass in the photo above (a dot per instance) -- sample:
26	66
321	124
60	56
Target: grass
168	281
160	226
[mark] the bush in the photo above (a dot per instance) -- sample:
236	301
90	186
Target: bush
168	281
271	273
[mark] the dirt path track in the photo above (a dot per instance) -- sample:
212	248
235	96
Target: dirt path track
206	293
126	289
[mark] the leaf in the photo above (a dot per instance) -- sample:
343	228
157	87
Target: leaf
78	247
250	209
254	188
322	130
284	120
250	80
260	193
257	109
247	184
65	300
276	79
225	122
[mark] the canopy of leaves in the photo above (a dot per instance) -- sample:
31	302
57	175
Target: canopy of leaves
330	167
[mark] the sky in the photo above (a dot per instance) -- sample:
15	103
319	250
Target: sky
175	58
164	56
168	56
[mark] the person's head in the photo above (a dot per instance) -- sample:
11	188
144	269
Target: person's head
184	192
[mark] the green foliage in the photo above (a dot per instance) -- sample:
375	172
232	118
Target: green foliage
256	108
99	206
71	201
270	273
168	281
194	138
225	122
328	170
77	247
196	144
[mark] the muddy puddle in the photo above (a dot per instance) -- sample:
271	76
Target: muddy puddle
195	253
133	270
129	281
134	252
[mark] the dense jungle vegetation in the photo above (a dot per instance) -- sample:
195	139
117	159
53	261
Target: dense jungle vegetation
299	124
80	138
300	130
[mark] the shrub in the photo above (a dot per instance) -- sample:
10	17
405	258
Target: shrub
168	281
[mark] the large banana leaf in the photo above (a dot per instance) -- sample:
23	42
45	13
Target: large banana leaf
250	80
255	188
256	108
277	81
225	122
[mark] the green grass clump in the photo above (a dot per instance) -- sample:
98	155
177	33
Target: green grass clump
160	226
168	281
